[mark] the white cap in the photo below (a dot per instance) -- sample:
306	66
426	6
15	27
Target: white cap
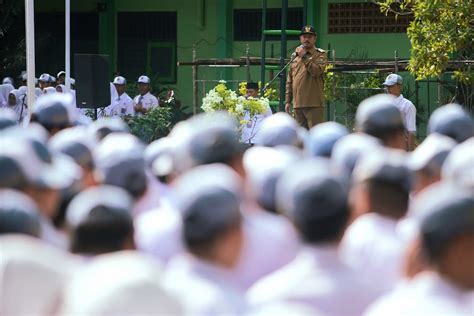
432	152
144	79
62	72
393	79
119	80
159	156
52	79
76	143
121	283
279	129
106	195
44	77
73	81
7	80
349	149
18	213
33	274
459	165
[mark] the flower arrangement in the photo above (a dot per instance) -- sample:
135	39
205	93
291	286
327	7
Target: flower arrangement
222	98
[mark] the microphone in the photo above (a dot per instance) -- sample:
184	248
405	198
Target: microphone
295	53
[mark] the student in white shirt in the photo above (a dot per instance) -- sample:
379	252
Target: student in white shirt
316	203
202	278
446	236
122	104
144	101
379	198
393	85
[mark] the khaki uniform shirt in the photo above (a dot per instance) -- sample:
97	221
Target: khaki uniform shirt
305	84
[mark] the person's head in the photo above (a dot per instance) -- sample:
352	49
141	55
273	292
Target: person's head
206	139
105	126
378	116
18	214
393	84
120	85
446	222
263	167
453	121
8	80
143	85
428	158
349	149
308	36
77	144
381	184
159	158
211	213
120	161
458	167
60	88
44	81
280	129
54	112
27	165
99	221
8	118
252	89
314	200
321	138
61	77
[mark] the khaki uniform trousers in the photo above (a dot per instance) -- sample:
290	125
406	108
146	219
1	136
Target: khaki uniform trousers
308	117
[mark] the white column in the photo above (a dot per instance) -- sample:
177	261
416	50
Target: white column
68	45
30	50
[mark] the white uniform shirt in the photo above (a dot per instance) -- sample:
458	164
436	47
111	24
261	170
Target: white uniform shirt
121	106
426	294
316	278
408	111
266	236
251	129
373	246
202	287
148	101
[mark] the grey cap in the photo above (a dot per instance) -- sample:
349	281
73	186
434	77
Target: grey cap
18	214
111	197
349	149
307	184
431	153
322	137
159	156
280	129
7	118
459	165
44	77
106	125
75	143
26	161
453	121
206	139
386	165
393	79
263	167
55	110
119	161
444	211
377	114
209	198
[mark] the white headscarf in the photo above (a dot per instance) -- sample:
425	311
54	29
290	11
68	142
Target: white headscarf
49	90
4	92
38	92
63	88
19	108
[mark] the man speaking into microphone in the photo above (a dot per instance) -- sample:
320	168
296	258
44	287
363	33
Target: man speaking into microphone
305	82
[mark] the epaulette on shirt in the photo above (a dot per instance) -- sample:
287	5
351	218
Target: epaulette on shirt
320	50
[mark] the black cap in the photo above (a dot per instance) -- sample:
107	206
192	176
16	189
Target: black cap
252	85
308	29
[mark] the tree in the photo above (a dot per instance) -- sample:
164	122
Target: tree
441	34
12	39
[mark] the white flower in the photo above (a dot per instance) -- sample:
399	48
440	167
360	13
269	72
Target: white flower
222	81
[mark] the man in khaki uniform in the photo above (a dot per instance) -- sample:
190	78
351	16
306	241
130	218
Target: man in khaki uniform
305	84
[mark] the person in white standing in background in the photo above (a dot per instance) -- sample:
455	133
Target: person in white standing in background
393	85
15	102
250	130
122	104
144	101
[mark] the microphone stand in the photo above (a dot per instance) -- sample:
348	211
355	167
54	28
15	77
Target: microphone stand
293	56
